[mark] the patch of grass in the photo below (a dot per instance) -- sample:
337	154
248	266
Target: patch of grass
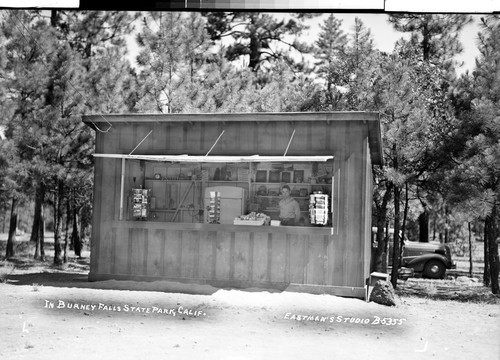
448	290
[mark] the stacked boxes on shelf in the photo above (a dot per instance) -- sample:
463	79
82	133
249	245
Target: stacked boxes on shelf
213	209
318	208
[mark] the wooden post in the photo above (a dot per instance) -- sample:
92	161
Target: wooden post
122	189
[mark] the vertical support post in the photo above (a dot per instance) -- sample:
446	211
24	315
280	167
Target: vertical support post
122	189
331	200
250	198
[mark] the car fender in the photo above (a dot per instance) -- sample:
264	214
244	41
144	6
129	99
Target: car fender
417	263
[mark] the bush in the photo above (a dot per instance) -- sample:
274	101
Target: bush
6	269
460	247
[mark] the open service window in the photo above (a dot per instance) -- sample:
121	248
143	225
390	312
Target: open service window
259	191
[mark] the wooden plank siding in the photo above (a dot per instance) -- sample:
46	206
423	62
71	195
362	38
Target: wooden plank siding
219	253
238	139
237	256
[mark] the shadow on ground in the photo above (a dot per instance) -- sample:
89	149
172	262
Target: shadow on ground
19	271
79	280
28	271
56	279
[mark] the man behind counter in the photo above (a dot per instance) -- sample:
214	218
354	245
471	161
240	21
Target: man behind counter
289	208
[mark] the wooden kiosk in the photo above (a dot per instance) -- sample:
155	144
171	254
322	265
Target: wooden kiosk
173	194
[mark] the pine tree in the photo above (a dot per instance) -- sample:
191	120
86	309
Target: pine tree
287	93
220	88
474	184
436	35
260	38
437	38
331	54
11	179
44	81
360	59
173	50
348	68
97	79
100	39
91	32
417	118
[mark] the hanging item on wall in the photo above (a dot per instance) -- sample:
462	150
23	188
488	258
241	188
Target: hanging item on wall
318	208
140	203
161	171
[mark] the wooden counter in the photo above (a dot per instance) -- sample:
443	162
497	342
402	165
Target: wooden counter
238	256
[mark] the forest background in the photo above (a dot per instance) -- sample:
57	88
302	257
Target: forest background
440	125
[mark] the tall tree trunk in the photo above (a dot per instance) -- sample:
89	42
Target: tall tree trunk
380	264
433	228
423	225
66	232
11	240
446	225
385	259
75	235
254	45
486	252
405	212
36	214
395	249
4	218
38	219
403	227
54	18
82	230
491	227
57	222
41	235
470	250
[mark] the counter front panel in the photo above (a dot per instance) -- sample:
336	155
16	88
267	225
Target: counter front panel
221	255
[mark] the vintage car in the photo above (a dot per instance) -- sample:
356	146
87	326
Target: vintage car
430	260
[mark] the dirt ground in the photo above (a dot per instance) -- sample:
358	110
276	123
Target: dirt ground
55	313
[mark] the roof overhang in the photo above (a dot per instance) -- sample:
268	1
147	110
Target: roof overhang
217	159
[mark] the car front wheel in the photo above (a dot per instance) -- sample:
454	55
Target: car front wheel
434	269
